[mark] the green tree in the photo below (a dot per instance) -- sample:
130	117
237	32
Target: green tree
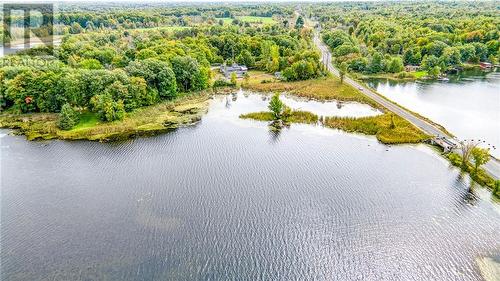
299	23
108	109
233	78
342	71
246	78
187	71
246	58
345	49
496	189
376	63
157	74
90	64
395	65
68	117
451	56
480	156
435	71
276	106
300	70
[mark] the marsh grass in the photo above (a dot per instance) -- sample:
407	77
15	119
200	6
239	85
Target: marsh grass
297	116
143	121
325	88
380	126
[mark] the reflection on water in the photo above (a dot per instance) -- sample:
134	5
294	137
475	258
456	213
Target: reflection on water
336	108
246	102
468	105
229	200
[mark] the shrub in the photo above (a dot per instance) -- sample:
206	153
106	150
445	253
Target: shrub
222	83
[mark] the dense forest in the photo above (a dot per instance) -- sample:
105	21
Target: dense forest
113	59
113	71
381	38
74	18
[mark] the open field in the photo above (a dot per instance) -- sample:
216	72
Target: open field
249	19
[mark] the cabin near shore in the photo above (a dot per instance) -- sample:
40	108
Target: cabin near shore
240	70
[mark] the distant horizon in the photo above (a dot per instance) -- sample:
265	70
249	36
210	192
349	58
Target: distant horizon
191	1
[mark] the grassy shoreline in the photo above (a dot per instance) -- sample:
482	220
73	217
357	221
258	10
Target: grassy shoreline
330	88
480	176
144	121
387	128
322	89
441	127
297	116
409	76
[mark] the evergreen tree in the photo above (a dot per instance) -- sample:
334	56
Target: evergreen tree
299	23
68	117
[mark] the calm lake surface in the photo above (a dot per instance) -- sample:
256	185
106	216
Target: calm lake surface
468	105
227	199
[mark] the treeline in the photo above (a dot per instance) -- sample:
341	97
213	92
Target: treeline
111	73
74	18
383	37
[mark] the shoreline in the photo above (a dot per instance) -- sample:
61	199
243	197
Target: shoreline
146	121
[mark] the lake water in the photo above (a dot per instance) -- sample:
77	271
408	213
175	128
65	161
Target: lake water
227	199
468	105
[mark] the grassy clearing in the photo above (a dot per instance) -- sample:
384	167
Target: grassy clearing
326	88
420	74
251	19
389	132
143	121
87	120
297	116
227	21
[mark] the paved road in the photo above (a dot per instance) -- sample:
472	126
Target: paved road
492	167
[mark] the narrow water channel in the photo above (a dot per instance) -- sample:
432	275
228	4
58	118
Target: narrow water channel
468	105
